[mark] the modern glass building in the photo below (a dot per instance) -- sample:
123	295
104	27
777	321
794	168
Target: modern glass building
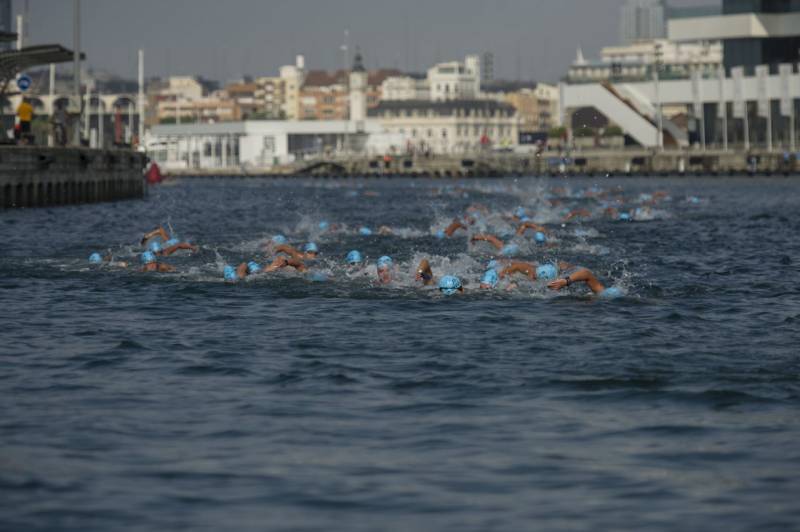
642	20
753	32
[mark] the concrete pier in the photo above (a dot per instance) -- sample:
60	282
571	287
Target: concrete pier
33	176
575	163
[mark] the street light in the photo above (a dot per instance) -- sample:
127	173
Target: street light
659	119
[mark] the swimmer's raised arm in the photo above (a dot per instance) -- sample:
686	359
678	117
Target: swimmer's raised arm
581	276
154	233
282	262
530	225
576	213
493	240
520	267
289	250
453	227
166	252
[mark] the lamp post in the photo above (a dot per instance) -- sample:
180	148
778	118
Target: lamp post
76	67
659	117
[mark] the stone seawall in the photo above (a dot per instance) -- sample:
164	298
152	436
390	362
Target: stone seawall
33	176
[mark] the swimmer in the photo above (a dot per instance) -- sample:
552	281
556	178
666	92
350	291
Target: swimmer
577	213
504	249
424	273
453	227
244	269
384	266
524	226
310	251
150	264
534	271
172	246
450	284
158	232
385	230
276	240
284	262
583	275
489	279
107	260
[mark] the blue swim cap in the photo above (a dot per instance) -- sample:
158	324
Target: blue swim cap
449	284
490	277
540	237
519	212
172	241
147	257
311	248
365	231
440	234
493	265
509	249
229	273
154	246
546	272
524	219
624	216
323	225
95	258
253	267
354	257
279	239
612	292
385	262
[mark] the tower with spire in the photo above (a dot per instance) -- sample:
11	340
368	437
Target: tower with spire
358	91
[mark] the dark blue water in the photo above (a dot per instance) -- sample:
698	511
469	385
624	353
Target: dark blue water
138	401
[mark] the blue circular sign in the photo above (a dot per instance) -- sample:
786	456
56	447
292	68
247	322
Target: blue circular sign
24	82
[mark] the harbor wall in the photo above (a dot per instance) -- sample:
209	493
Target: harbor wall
33	176
576	163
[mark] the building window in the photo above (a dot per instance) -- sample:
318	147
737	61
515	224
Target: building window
430	133
444	133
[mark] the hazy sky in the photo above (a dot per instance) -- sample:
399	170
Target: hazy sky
224	39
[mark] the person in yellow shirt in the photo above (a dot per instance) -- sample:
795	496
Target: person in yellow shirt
25	114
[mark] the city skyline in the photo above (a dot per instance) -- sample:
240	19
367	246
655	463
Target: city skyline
529	39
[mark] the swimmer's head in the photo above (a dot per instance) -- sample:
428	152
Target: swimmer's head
624	217
95	258
493	265
172	242
540	237
489	279
155	247
385	262
354	257
365	231
546	272
311	248
148	257
509	250
324	226
279	240
253	267
229	273
440	234
612	292
524	219
519	212
449	285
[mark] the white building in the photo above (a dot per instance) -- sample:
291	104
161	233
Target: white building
405	88
253	144
453	126
455	80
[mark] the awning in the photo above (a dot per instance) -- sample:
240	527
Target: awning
15	61
7	37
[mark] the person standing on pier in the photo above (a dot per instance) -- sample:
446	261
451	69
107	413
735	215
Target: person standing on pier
25	115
